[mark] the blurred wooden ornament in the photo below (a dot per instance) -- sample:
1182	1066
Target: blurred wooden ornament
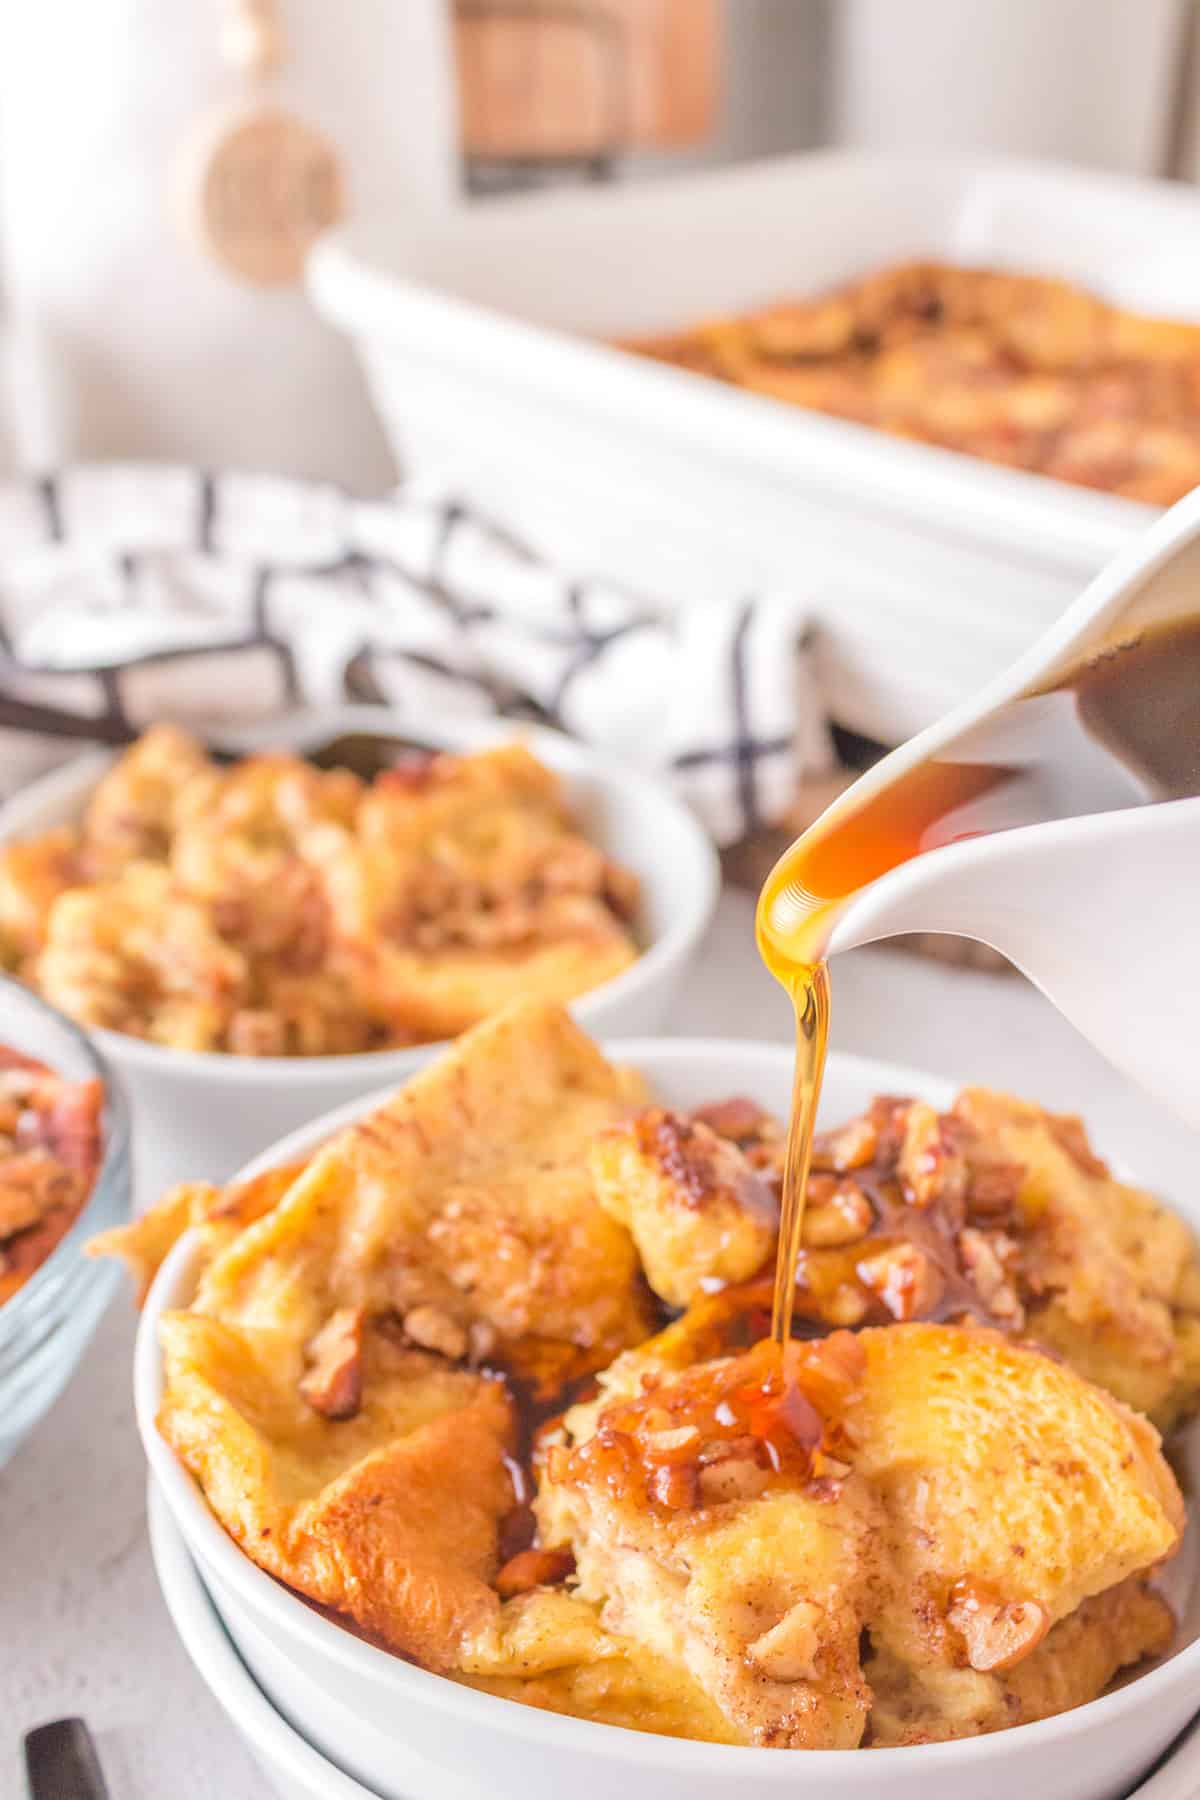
256	186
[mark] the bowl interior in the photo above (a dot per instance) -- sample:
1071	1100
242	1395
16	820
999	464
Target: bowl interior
683	1073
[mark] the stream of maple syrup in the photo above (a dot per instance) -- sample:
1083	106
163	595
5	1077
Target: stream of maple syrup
1128	716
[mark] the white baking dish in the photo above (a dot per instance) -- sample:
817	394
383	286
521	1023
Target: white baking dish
927	571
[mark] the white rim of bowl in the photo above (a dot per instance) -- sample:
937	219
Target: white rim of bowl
207	1539
564	754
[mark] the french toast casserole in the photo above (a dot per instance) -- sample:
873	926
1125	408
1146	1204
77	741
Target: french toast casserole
1018	369
938	1511
271	908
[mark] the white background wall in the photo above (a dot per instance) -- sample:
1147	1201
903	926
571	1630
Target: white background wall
1087	80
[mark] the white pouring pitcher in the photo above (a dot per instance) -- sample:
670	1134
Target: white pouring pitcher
1099	904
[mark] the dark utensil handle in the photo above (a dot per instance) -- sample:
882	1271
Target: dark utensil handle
61	1762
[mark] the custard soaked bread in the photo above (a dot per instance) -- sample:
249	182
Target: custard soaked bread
925	1485
386	1385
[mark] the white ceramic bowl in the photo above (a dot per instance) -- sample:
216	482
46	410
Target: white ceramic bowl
295	1770
203	1115
298	1772
367	1710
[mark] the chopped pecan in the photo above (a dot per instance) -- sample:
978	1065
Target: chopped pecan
852	1146
675	1486
987	1256
905	1279
530	1569
847	1305
678	1443
481	1341
332	1383
732	1469
998	1635
737	1118
435	1330
837	1215
993	1190
931	1166
518	1528
788	1651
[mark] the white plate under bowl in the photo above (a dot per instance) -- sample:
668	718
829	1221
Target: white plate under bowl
201	1115
364	1709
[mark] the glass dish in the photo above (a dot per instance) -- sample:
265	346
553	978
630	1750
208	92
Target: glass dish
46	1325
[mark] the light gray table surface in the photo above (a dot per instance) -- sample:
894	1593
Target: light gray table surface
82	1627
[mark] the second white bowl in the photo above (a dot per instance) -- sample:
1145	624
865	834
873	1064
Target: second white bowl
366	1710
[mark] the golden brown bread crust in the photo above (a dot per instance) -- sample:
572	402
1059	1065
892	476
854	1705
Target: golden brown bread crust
698	1211
468	1193
1019	370
370	1515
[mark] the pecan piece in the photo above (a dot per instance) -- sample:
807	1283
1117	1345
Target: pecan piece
675	1486
788	1651
931	1166
529	1569
677	1443
732	1469
847	1305
986	1256
836	1215
432	1329
852	1146
518	1528
998	1635
332	1383
737	1118
993	1190
905	1279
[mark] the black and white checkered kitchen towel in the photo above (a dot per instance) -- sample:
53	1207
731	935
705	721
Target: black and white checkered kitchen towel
130	593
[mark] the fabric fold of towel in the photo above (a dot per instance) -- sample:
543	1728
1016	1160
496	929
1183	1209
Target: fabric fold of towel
130	593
